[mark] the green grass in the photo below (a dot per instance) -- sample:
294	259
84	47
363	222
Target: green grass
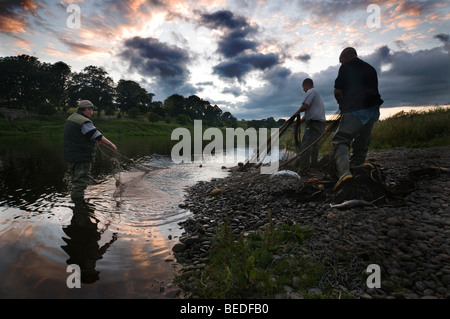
413	129
405	129
247	268
54	126
32	126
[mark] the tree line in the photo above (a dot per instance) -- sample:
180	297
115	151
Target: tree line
45	88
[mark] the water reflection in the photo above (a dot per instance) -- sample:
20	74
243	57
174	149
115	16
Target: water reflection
82	243
125	250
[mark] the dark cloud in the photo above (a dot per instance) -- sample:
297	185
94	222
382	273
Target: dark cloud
243	64
445	39
232	69
236	30
418	78
236	45
165	63
235	91
304	57
223	19
401	44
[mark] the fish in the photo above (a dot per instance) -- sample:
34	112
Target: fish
351	204
286	173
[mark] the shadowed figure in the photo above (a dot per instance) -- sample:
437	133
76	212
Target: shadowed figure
82	242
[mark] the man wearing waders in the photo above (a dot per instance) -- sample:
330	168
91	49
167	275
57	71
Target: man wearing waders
80	137
356	91
314	117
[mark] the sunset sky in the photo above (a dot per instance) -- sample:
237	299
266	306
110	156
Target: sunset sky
248	57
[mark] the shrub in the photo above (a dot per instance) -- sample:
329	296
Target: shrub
133	112
153	117
46	109
183	119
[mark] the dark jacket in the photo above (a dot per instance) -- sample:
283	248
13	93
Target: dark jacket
359	84
77	148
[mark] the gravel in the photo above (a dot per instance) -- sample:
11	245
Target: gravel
405	232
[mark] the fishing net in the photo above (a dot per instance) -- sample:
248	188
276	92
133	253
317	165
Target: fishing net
259	154
131	181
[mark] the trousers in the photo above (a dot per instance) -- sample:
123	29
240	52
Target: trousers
351	134
80	177
313	131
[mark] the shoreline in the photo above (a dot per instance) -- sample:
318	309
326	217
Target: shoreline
406	236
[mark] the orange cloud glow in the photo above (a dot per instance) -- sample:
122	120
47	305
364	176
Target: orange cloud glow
409	24
8	24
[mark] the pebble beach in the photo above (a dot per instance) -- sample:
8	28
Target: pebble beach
407	236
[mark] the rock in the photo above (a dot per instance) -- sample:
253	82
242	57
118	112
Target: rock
179	248
315	291
394	221
393	233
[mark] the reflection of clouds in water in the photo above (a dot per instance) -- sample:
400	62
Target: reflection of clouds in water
125	240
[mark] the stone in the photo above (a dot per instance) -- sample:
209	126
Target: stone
179	248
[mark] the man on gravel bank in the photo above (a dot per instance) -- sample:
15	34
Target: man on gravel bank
80	137
356	91
314	117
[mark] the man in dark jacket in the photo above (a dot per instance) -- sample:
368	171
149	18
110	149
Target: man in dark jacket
80	137
356	91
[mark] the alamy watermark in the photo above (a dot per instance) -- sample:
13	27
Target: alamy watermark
74	279
374	19
74	19
182	152
374	279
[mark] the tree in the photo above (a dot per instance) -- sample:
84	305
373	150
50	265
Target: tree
24	82
212	114
93	84
228	120
174	105
158	108
60	72
130	94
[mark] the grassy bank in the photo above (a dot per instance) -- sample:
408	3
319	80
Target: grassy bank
413	129
259	265
54	126
405	129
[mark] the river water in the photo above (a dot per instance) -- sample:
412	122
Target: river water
123	244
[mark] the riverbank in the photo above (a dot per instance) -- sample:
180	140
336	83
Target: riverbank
54	126
261	238
425	128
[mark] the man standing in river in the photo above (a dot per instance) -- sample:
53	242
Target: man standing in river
80	138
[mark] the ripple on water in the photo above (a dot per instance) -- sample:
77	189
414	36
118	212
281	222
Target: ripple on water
129	238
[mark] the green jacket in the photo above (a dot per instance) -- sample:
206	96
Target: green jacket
77	148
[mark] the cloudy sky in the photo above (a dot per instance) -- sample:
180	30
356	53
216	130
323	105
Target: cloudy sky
247	56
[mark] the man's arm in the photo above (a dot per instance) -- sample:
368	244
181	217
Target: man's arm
339	96
302	108
88	129
107	142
